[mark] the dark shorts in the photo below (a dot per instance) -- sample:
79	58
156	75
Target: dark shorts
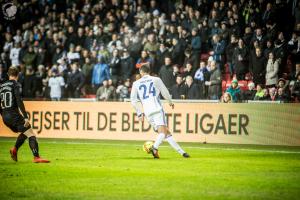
15	122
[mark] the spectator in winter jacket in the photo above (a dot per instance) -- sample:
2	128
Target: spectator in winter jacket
144	60
75	81
127	65
235	91
218	50
177	52
202	75
167	74
29	84
114	66
258	67
104	93
196	45
178	89
272	71
192	89
250	93
100	73
229	53
122	90
29	57
214	83
240	60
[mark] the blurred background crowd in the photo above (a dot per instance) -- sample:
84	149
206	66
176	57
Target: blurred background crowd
225	50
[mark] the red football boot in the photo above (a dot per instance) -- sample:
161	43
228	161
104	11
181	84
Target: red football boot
40	160
14	153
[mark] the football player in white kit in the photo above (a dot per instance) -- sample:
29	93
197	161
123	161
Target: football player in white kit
147	90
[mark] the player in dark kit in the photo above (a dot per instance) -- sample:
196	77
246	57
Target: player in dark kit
11	106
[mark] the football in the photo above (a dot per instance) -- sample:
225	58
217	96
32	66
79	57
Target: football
147	146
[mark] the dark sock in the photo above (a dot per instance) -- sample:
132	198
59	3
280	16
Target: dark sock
20	140
34	146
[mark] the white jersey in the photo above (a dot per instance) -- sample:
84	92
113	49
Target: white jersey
55	84
147	90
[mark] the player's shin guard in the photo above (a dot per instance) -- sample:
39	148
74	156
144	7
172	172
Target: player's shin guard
34	146
174	144
20	140
159	140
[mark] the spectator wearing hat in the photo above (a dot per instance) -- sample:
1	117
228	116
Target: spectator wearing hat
235	91
284	84
56	84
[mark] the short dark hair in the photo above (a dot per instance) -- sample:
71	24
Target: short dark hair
13	71
145	69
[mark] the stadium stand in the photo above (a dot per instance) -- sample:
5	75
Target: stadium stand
45	38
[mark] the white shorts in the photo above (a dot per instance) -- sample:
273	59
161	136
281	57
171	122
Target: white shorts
157	119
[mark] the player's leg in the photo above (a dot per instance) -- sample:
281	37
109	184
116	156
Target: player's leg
161	129
170	139
34	146
10	120
19	142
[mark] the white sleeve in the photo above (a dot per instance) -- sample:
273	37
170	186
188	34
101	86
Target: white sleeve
163	89
62	82
134	100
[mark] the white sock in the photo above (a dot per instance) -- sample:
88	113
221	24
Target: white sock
159	139
174	144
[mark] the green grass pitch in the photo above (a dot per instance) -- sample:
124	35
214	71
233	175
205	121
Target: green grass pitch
119	170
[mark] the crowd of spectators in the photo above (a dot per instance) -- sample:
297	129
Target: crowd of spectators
94	48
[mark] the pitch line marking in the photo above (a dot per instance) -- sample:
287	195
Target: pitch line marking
164	146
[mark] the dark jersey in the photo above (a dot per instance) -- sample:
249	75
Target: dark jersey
10	98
